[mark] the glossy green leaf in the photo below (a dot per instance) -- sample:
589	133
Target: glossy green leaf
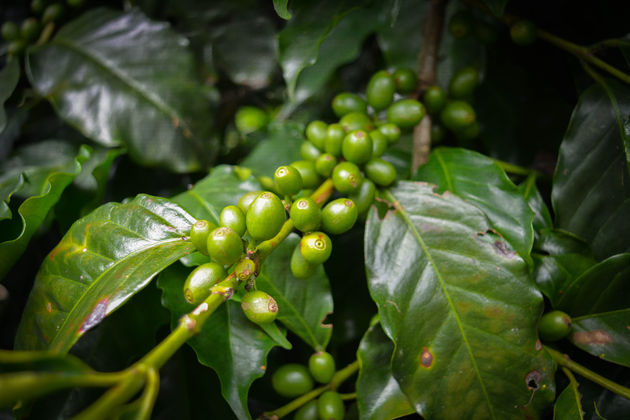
281	9
103	260
281	147
542	217
460	309
228	342
303	304
480	181
9	77
44	189
496	6
591	187
568	406
123	79
224	186
605	335
378	394
7	188
602	288
401	38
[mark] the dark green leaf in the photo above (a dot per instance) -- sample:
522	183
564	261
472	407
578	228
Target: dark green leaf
9	77
228	342
542	217
378	393
223	187
303	304
599	403
496	6
602	288
605	335
122	79
281	9
568	405
103	260
281	147
45	189
401	37
461	311
591	188
480	181
7	188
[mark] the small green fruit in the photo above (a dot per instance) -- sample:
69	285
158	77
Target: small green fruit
16	47
307	412
380	171
234	218
245	269
364	197
37	6
356	121
457	115
308	151
259	307
316	132
247	199
200	280
249	119
265	216
307	171
463	83
325	164
357	147
406	113
225	246
390	131
10	31
330	406
300	268
288	180
380	90
346	177
322	366
345	103
305	214
199	235
292	380
29	31
470	132
52	13
437	133
339	216
334	138
554	325
523	32
434	99
316	247
379	143
406	80
460	24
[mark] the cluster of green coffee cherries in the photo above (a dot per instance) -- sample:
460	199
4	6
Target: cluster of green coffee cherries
294	379
464	23
20	37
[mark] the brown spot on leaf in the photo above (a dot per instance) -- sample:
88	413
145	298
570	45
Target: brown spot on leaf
595	337
426	358
263	367
96	316
48	307
323	322
532	380
501	249
538	345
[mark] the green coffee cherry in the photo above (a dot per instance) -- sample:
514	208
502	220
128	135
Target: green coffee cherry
200	280
305	214
307	412
380	171
345	103
234	218
356	121
346	177
316	132
406	113
307	171
37	6
380	90
523	32
247	199
267	183
469	132
288	180
29	31
259	307
434	99
225	246
339	216
463	83
406	80
460	24
75	3
52	13
334	138
199	235
364	197
325	164
249	119
245	269
437	133
330	406
16	47
309	151
265	216
554	325
357	147
322	366
316	247
390	131
300	268
379	143
457	115
10	31
292	380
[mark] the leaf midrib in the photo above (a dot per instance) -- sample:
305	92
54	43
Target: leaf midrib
425	249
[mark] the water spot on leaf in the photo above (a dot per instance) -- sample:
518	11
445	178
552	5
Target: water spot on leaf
96	316
595	337
426	358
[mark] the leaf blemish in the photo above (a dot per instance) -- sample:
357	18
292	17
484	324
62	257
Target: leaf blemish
501	249
96	316
426	358
532	380
323	322
595	337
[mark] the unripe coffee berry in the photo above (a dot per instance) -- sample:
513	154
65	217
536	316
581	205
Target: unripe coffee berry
457	115
259	307
316	133
307	412
316	247
307	171
200	280
234	218
406	113
380	90
334	138
247	199
357	147
379	143
322	366
406	80
249	119
523	32
325	164
330	406
554	325
245	269
339	216
292	380
434	99
463	83
265	216
305	214
300	268
460	24
225	246
356	121
364	197
346	177
199	235
345	103
308	151
381	172
390	131
288	180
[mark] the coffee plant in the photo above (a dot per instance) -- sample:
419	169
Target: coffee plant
327	209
